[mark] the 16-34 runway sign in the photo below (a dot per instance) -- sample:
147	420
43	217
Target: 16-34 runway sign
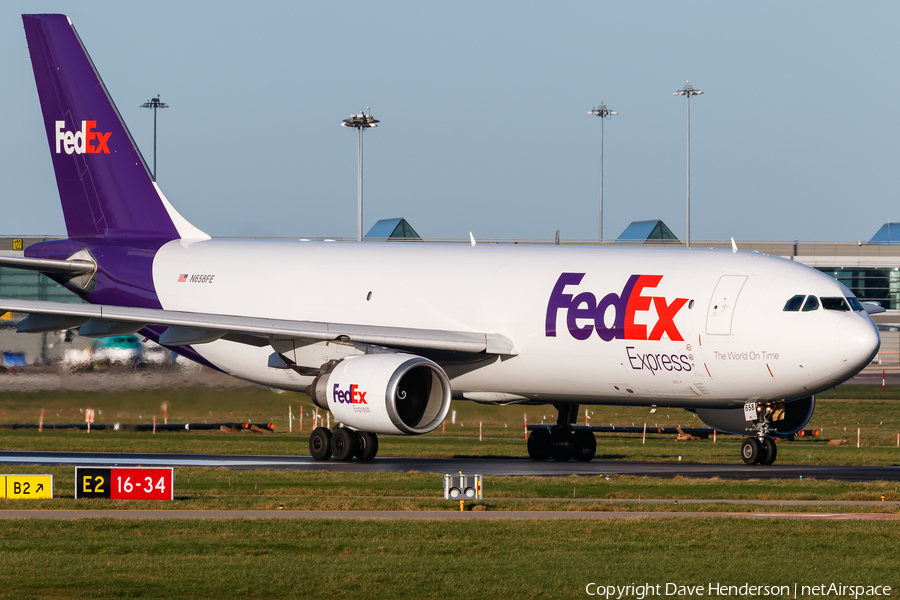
125	483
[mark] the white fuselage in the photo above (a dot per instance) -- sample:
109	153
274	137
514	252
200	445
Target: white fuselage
724	337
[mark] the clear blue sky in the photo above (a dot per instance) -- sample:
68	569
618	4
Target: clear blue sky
484	115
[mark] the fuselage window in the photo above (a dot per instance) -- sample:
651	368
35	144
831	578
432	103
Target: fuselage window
835	304
854	304
794	304
812	303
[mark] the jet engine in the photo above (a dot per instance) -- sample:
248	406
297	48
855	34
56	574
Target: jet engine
785	418
391	393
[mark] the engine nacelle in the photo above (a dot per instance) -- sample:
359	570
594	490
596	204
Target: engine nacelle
385	393
793	417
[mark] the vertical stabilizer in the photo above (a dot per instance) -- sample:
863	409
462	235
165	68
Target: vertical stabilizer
104	184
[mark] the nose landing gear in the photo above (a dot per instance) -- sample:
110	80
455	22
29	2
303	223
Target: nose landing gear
770	452
760	449
755	452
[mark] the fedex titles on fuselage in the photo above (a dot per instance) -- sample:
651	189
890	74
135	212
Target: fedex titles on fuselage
585	315
86	141
626	305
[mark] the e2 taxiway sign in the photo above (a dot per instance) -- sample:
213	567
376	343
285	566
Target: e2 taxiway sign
117	483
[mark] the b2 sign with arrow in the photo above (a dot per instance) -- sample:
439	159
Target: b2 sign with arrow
17	487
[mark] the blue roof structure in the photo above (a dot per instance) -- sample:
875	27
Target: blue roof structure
647	231
889	233
392	229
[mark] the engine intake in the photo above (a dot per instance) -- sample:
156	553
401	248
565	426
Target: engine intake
385	393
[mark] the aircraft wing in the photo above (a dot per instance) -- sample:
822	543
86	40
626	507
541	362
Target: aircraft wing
183	328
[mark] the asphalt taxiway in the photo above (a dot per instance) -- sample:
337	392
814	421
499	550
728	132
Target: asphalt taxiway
484	466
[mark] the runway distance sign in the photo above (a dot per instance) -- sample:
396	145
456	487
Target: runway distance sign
27	487
133	483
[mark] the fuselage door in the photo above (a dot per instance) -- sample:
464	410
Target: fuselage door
721	306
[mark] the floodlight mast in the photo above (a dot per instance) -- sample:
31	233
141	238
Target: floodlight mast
361	122
154	103
688	91
604	113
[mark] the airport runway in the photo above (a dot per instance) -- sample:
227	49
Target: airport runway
66	515
484	466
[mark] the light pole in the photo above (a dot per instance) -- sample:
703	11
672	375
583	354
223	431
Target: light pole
602	112
154	103
688	91
361	122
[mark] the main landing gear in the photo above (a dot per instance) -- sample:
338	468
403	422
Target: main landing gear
562	442
756	452
344	443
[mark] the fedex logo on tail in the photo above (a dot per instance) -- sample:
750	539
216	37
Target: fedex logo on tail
86	141
351	396
585	315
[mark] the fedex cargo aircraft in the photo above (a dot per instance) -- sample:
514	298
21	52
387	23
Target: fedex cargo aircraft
386	335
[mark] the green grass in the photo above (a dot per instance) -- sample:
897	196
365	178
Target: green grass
223	489
430	559
185	404
282	559
370	559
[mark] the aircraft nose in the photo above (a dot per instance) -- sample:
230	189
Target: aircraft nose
856	341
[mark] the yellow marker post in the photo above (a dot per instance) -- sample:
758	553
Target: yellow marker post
27	487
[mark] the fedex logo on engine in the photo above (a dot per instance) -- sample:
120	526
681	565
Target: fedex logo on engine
585	315
351	396
86	141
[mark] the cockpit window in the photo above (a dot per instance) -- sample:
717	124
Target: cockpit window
835	304
810	303
854	304
794	304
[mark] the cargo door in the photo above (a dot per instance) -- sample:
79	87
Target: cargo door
721	306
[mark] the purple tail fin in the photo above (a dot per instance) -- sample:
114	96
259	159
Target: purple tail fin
104	184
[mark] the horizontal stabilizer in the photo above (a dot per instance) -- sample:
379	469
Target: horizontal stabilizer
45	265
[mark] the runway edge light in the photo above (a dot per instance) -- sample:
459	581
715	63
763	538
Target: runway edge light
462	487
